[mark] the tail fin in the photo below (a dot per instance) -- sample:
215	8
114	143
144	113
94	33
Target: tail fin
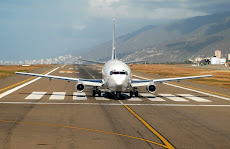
114	56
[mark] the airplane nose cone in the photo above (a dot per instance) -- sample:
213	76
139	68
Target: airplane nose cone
119	83
119	80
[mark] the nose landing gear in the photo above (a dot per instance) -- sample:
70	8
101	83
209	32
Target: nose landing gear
117	95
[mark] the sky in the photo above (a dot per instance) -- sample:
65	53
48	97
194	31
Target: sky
35	29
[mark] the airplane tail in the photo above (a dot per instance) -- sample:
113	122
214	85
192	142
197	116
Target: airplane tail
113	46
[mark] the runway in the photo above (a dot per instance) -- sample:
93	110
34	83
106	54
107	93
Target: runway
39	113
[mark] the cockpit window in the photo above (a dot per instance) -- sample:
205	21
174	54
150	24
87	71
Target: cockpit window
118	72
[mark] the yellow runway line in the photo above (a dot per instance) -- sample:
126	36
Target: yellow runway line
86	129
166	143
23	81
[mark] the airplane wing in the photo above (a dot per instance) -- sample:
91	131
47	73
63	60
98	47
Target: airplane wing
89	82
130	62
136	83
92	61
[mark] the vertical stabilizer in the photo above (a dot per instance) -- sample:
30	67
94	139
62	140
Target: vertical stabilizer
113	46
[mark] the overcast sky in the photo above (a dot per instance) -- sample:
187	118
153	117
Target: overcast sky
34	29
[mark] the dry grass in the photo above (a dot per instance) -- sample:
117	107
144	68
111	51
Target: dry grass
9	70
220	78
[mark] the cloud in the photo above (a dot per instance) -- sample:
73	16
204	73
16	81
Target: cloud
149	9
79	27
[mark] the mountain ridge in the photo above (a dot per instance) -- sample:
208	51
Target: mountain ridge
174	42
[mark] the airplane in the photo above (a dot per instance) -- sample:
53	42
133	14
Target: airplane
116	77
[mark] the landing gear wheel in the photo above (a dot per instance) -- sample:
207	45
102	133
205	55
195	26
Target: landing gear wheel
94	93
118	95
99	93
131	93
136	93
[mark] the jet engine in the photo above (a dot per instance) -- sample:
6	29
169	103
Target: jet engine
80	87
151	88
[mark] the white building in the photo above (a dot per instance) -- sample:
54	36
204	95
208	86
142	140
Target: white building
218	61
228	57
218	54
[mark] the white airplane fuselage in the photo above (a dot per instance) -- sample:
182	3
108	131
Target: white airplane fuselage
116	75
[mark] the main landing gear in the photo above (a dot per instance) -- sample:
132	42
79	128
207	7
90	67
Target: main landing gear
134	91
96	91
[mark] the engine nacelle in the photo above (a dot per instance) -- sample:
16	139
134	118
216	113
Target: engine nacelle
151	88
80	87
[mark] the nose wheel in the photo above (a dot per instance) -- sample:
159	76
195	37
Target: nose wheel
117	95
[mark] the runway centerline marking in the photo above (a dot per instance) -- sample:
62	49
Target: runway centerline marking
25	84
86	129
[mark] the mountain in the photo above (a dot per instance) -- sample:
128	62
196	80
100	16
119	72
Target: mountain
174	42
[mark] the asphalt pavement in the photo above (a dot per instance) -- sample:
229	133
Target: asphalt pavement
39	113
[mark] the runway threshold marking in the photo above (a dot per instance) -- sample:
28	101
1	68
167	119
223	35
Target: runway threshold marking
195	98
57	96
173	97
155	132
27	83
151	97
36	95
210	93
86	129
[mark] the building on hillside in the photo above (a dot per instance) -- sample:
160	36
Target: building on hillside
218	61
198	59
218	54
228	57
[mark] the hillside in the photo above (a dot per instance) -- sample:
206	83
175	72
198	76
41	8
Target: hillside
175	42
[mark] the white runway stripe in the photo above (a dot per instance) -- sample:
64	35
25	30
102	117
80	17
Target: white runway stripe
133	98
151	97
36	95
58	96
23	85
79	96
173	97
193	90
102	98
195	98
